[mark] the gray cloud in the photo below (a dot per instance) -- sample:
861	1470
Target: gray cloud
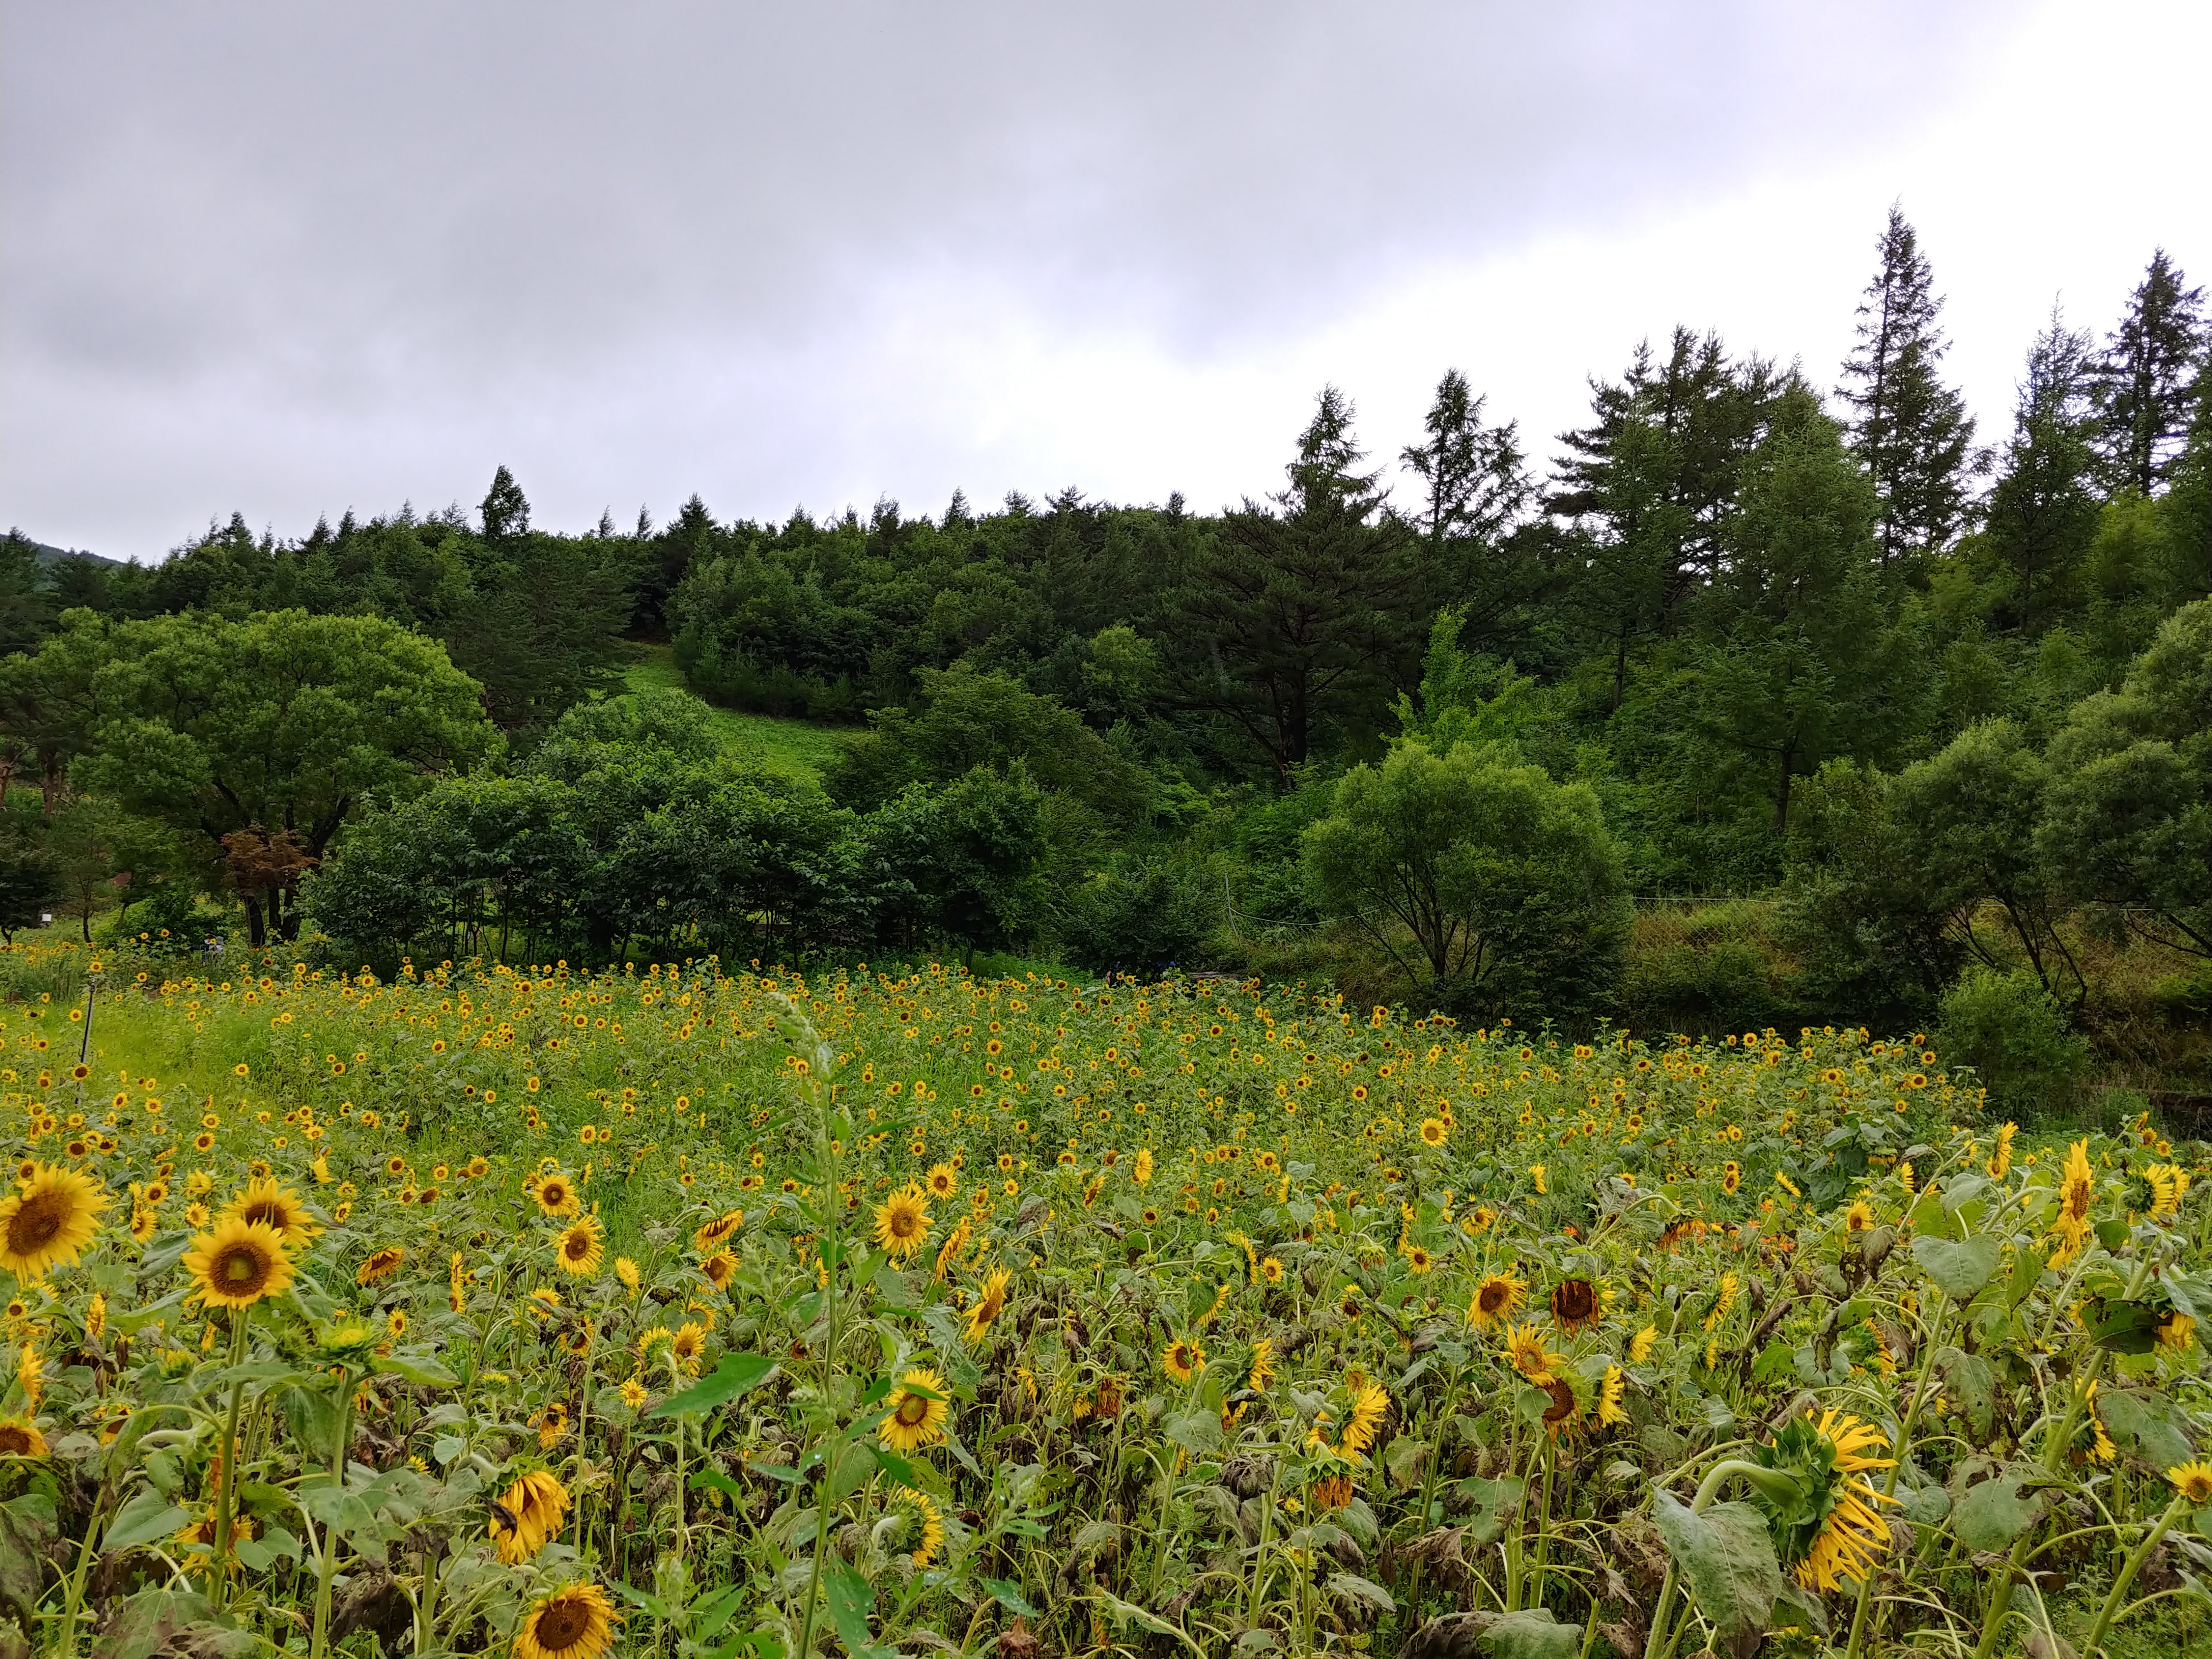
285	257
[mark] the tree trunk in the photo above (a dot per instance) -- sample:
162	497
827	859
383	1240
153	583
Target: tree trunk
257	931
1782	793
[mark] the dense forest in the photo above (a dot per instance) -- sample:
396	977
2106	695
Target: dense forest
1758	700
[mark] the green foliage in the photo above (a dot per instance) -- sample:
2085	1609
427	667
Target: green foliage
2014	1035
1506	882
1138	917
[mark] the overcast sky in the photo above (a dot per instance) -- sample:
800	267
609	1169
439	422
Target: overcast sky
290	257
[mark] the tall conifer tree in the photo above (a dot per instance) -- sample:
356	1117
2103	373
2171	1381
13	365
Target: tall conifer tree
2146	378
1909	430
2043	510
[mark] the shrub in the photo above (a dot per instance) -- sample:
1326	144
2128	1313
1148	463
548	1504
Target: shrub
2015	1036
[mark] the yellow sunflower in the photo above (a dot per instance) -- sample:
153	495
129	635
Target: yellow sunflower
556	1195
577	1247
1849	1534
1369	1401
2192	1481
709	1237
2077	1185
720	1268
1182	1360
238	1263
689	1342
382	1264
19	1437
902	1222
1609	1411
1496	1299
929	1526
1525	1350
989	1305
942	1181
278	1206
49	1221
526	1515
1432	1132
576	1622
916	1419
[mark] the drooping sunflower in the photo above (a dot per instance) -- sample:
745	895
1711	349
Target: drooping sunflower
1609	1412
1496	1299
2077	1185
929	1526
381	1264
1370	1400
551	1424
1834	1531
1525	1351
916	1419
1331	1492
1640	1345
574	1622
2000	1157
49	1221
577	1248
712	1235
195	1544
1561	1414
989	1305
2175	1330
19	1437
238	1263
1182	1360
720	1268
527	1513
1574	1306
279	1208
902	1222
2193	1480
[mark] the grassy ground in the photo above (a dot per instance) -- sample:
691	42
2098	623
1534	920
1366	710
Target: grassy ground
795	748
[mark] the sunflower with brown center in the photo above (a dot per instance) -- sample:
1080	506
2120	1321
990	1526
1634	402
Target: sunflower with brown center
1182	1360
989	1305
276	1206
556	1195
915	1419
576	1622
720	1268
577	1247
902	1222
711	1237
1495	1300
238	1263
19	1437
1574	1306
49	1221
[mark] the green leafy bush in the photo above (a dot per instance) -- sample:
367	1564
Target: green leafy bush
2015	1036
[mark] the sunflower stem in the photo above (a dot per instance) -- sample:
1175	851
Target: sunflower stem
219	1568
327	1571
833	1203
2129	1568
1896	1464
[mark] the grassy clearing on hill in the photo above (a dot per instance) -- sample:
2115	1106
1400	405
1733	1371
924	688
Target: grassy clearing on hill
795	748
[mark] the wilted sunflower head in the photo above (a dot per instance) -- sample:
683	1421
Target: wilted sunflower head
1575	1304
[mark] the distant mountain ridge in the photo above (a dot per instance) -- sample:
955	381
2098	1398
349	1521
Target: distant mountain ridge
50	555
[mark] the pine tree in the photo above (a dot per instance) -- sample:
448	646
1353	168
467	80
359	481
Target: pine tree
2147	380
506	508
1649	487
2043	512
1291	614
1909	430
1477	492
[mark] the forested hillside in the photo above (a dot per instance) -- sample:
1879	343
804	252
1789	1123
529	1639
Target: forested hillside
1755	698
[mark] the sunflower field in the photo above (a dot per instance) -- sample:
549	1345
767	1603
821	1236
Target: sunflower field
688	1313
